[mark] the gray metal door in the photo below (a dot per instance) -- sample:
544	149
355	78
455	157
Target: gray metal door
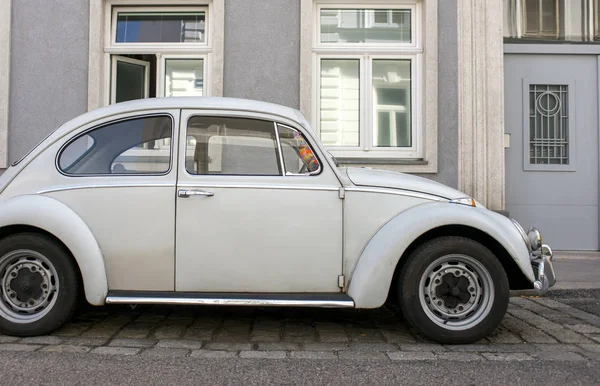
551	114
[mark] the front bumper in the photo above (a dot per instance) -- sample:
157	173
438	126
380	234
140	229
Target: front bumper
543	269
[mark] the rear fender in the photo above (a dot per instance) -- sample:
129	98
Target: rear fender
58	219
370	282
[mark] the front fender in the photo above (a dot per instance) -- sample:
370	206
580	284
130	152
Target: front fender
372	277
58	219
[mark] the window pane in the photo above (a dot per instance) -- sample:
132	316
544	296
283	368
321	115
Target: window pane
231	146
298	157
548	124
392	103
184	77
148	27
365	26
134	146
130	81
340	102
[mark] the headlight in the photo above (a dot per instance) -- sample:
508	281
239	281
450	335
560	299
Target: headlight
522	232
535	238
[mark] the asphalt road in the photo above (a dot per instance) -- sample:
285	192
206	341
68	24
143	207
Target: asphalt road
69	369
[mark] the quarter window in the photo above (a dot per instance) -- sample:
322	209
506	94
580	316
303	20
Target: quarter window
133	146
298	157
231	146
367	89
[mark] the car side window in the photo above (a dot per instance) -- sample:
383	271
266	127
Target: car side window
132	146
298	157
231	146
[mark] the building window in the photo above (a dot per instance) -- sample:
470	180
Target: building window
541	18
157	52
367	88
548	125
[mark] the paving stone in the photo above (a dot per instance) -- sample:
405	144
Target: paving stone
136	331
595	356
199	334
213	354
132	343
233	331
42	340
589	318
312	355
456	356
101	331
554	329
263	354
559	356
411	356
151	318
166	352
266	331
180	343
513	356
397	336
278	346
592	347
116	350
550	303
228	346
67	348
18	347
529	305
299	332
72	329
558	348
584	328
169	332
496	348
8	339
325	347
503	335
528	333
332	333
362	355
77	341
423	347
365	335
373	347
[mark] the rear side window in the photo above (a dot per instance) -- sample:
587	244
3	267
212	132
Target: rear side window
132	146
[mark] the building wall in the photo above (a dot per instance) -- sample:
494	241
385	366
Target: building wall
262	50
49	63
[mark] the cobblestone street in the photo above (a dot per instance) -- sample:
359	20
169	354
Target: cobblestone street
534	328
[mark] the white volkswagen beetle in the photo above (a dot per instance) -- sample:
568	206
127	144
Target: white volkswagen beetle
219	201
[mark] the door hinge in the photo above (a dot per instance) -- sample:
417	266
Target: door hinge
342	192
341	281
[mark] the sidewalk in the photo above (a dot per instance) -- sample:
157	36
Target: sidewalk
576	270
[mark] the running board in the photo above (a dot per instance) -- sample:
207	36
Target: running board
319	300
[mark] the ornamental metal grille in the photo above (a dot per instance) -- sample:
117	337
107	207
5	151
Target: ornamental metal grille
548	124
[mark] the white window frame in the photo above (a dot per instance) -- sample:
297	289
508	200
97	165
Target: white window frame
422	156
113	79
162	67
103	44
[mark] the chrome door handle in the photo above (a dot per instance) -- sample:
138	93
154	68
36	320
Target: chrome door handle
185	193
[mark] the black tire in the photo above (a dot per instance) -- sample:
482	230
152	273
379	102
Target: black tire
61	307
415	285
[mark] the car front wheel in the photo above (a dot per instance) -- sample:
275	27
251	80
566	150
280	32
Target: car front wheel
453	290
40	285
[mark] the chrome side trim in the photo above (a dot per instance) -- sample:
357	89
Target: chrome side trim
233	301
397	192
260	186
104	186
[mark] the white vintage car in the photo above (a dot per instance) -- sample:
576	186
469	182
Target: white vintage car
219	201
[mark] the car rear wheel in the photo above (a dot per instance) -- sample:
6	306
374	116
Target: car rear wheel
454	290
39	285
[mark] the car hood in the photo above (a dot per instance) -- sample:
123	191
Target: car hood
396	180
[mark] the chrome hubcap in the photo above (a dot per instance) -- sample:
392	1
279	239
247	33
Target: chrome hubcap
456	292
29	286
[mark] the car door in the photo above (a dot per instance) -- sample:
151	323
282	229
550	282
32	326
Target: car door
119	176
245	223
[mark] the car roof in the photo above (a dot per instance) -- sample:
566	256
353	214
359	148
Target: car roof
204	103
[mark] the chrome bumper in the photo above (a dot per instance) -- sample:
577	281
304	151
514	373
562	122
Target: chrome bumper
543	269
